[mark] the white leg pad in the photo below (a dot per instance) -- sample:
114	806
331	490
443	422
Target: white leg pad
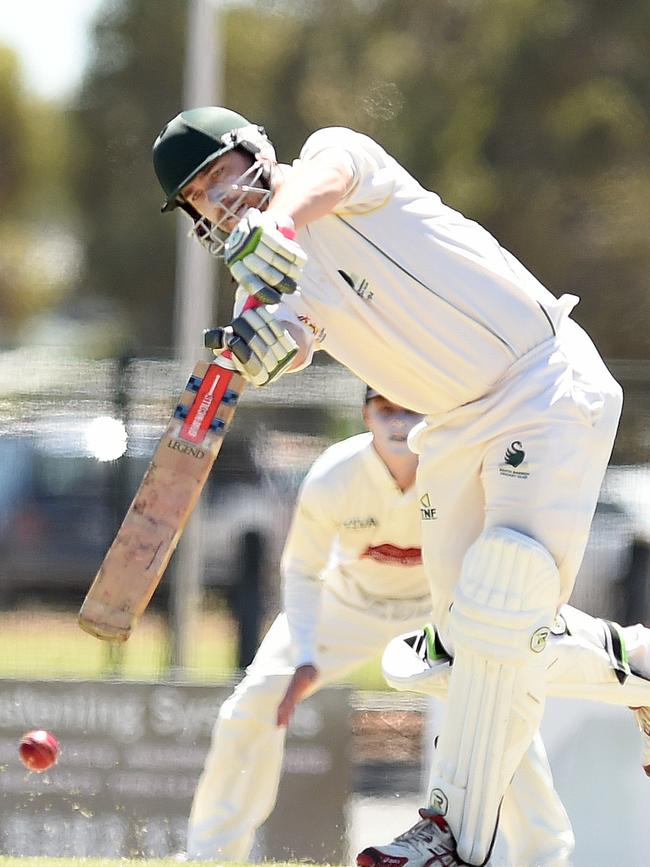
504	606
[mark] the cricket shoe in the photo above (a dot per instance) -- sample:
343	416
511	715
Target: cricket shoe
429	843
642	715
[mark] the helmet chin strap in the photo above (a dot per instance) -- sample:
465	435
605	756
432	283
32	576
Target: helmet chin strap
212	235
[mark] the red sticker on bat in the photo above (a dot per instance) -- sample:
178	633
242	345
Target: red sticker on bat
205	404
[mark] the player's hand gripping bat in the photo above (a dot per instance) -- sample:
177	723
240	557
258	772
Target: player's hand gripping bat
138	557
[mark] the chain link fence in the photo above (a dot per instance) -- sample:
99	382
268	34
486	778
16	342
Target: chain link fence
76	436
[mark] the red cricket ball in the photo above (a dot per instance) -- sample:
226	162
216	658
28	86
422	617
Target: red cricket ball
38	750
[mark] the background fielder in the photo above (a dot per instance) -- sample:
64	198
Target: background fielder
520	411
352	580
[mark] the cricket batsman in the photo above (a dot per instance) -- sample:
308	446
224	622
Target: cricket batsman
519	411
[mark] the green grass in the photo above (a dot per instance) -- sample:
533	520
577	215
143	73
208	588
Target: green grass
45	644
6	861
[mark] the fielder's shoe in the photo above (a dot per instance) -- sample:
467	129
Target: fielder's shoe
429	843
642	715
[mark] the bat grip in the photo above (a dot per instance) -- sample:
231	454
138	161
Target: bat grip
249	305
252	302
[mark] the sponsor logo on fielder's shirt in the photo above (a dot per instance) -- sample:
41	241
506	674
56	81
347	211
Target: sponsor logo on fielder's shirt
393	555
359	285
513	459
427	511
360	523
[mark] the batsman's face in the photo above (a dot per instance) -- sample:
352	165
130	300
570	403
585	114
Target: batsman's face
390	424
226	189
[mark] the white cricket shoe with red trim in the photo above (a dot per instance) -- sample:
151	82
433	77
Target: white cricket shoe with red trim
429	843
642	715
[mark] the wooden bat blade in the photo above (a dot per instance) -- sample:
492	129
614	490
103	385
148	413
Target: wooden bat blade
138	557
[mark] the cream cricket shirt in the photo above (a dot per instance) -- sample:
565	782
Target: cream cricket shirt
354	530
417	300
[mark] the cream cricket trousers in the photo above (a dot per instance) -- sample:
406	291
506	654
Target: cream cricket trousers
238	787
530	456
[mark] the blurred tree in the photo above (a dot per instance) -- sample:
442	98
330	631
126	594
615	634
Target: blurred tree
133	85
38	256
570	146
13	131
530	115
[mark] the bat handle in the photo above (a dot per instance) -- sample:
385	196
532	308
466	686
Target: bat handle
252	302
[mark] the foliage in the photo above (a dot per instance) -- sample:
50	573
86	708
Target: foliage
12	131
36	250
132	87
45	861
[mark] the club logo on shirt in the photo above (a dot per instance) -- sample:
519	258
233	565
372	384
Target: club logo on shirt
359	285
514	454
360	523
427	511
513	459
318	332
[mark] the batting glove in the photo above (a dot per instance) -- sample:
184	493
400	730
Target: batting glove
262	350
262	259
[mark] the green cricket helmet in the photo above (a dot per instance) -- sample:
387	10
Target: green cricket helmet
194	139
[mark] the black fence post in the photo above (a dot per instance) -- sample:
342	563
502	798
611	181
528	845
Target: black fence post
248	596
635	584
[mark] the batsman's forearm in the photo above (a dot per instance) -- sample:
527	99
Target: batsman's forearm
313	189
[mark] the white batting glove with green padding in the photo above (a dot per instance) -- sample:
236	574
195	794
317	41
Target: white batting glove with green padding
261	348
263	258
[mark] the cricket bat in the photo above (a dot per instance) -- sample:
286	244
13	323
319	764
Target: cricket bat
149	534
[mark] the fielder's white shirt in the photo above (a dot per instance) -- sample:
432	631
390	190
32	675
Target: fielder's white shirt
420	302
355	531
